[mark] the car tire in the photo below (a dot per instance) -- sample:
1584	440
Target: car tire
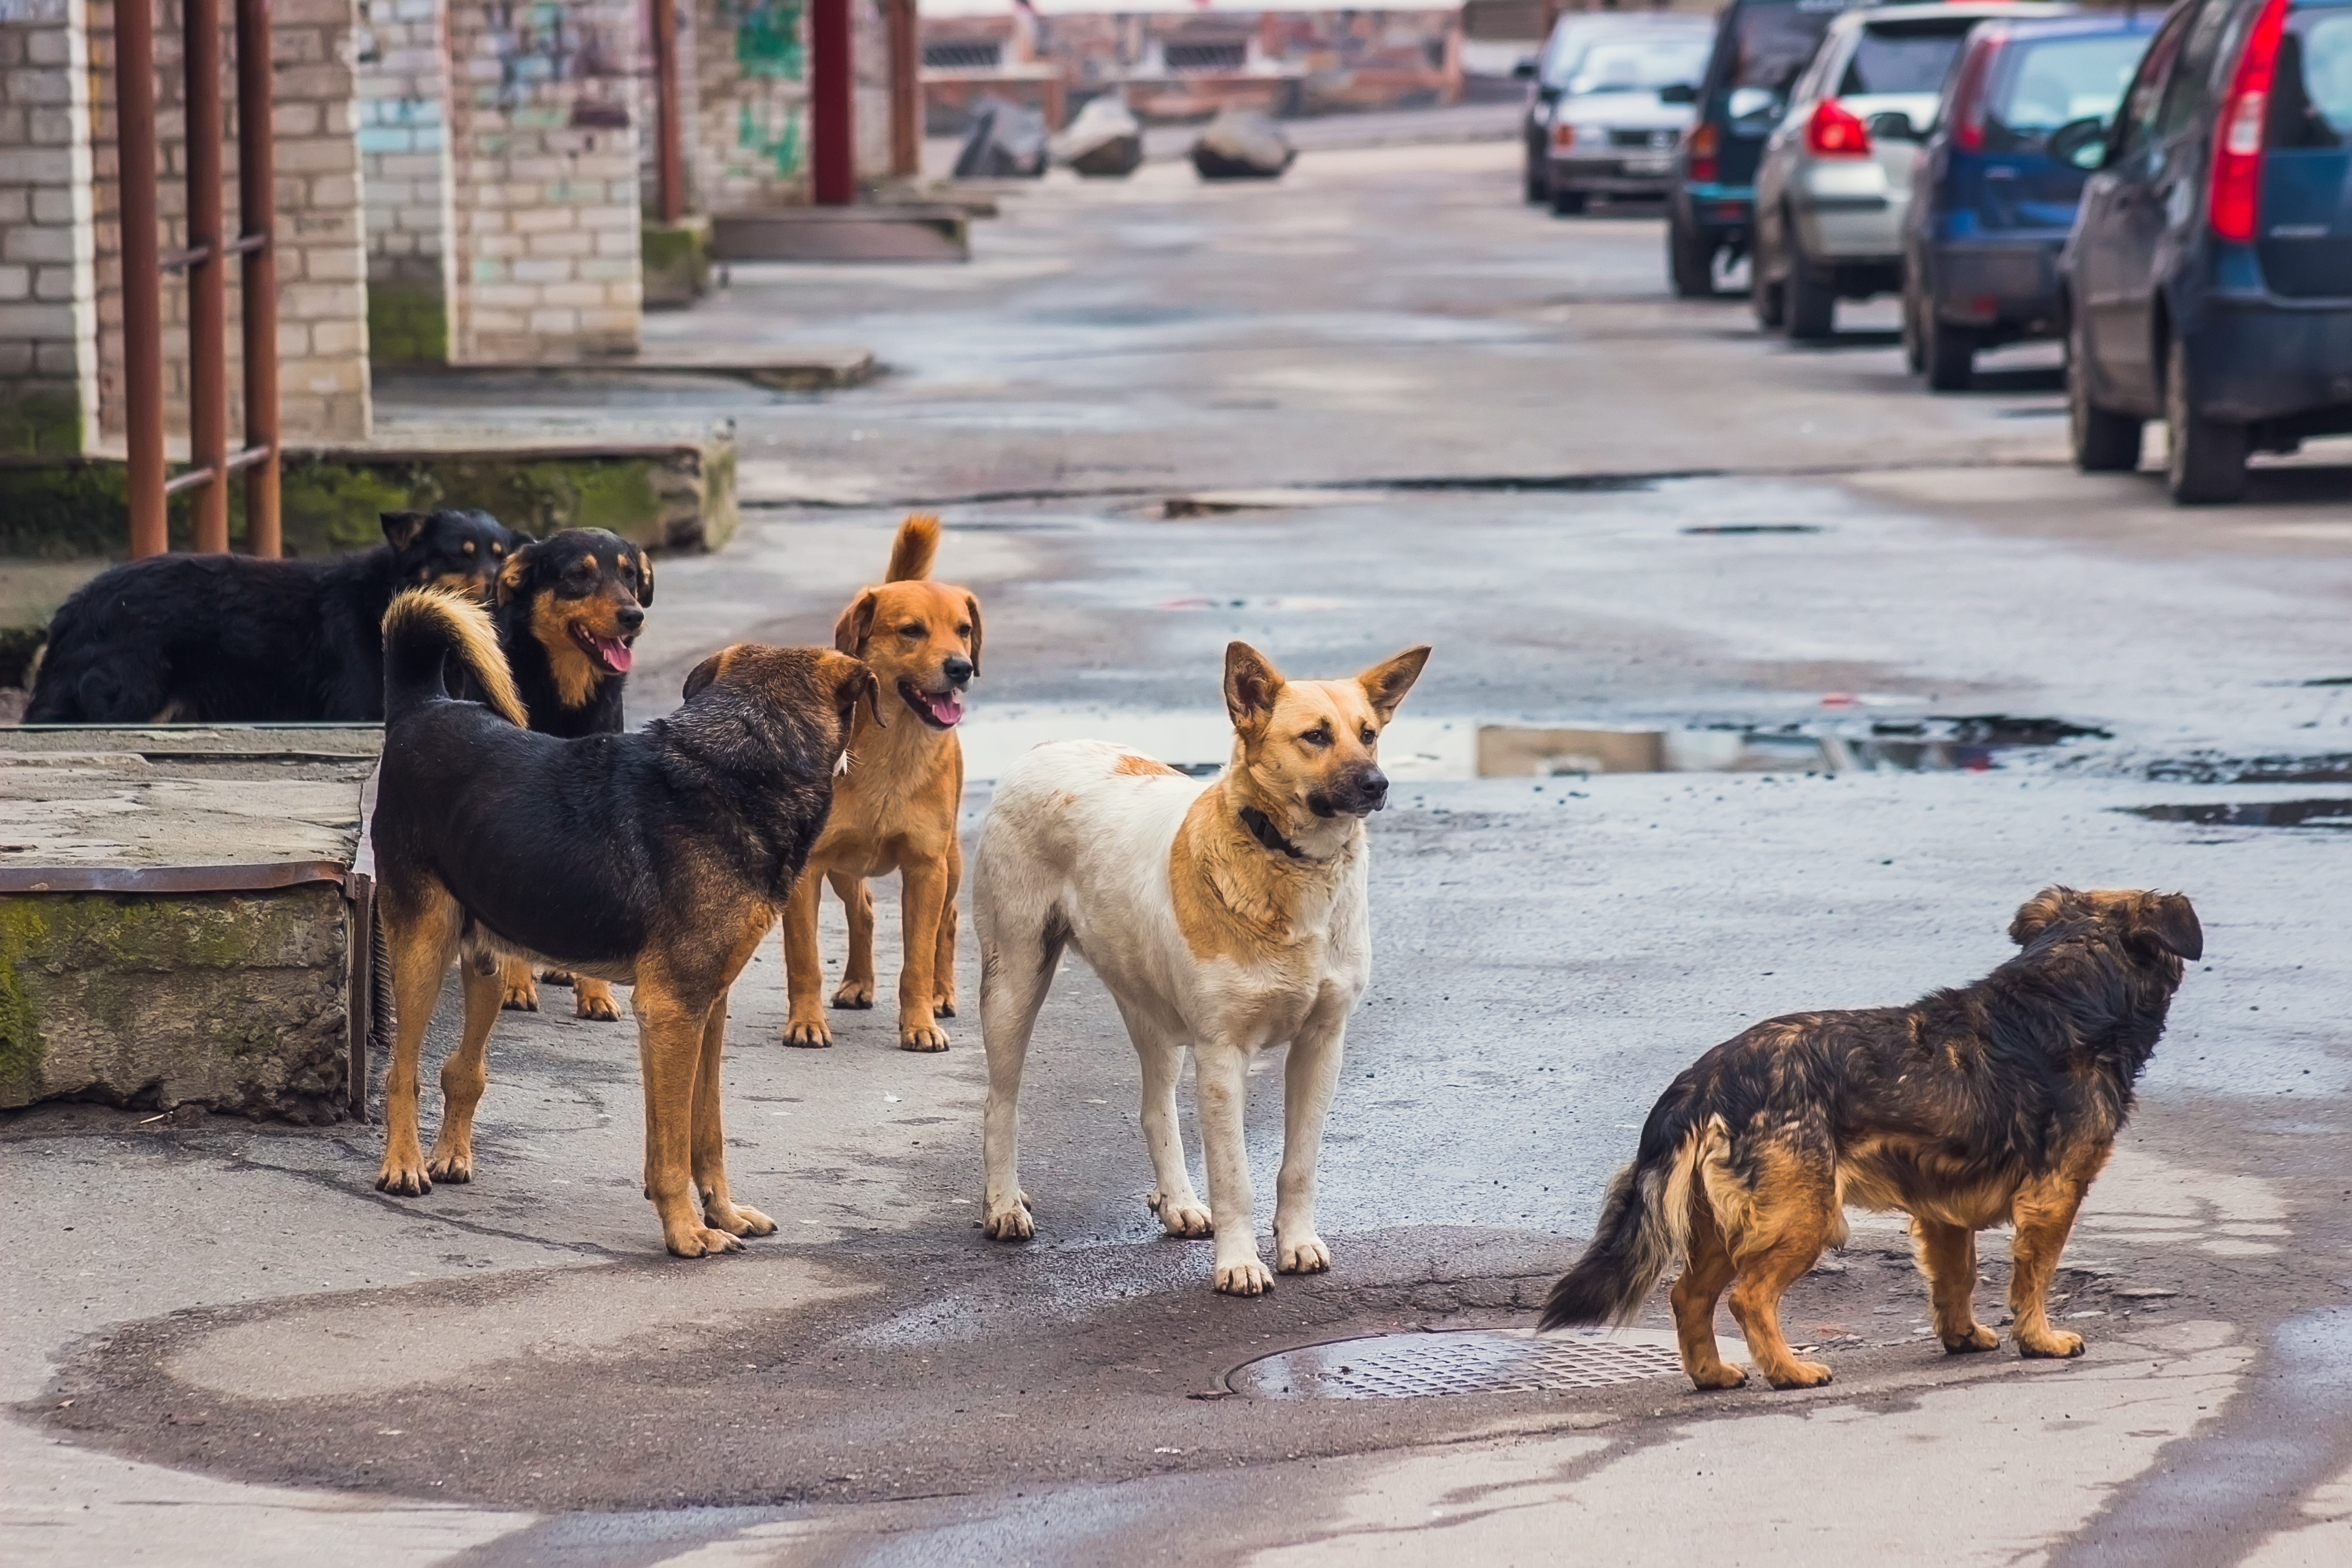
1535	186
2105	442
1811	299
1690	263
1951	353
1765	296
1915	351
2206	460
1567	204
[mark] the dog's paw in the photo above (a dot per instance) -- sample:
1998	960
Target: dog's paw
1308	1255
593	999
2056	1345
737	1219
404	1176
1245	1279
944	1006
1182	1216
698	1241
1012	1223
923	1036
1800	1375
1707	1379
562	978
857	995
519	995
454	1167
1977	1337
811	1034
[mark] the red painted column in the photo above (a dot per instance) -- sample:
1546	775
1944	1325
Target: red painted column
833	133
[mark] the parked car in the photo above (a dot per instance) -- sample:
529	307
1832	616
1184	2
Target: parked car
1991	205
1559	75
1760	45
1835	179
2208	281
1622	106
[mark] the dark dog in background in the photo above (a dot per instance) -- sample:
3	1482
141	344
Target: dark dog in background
701	821
1994	1103
230	639
569	607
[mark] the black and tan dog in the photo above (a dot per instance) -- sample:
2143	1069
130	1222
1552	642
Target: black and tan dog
703	820
1994	1103
569	607
229	639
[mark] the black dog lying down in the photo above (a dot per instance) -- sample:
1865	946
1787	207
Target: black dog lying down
1992	1104
657	859
230	639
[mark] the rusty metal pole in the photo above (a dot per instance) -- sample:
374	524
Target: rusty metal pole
905	89
142	274
831	105
207	274
670	151
256	215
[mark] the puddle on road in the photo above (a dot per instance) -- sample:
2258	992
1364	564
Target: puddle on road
1754	528
2326	769
1461	1361
2325	814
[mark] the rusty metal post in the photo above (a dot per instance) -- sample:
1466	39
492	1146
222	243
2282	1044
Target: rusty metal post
669	146
257	213
833	132
143	273
207	275
906	87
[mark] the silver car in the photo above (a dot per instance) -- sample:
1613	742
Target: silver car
1623	90
1835	180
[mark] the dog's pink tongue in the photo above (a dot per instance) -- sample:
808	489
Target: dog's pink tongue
616	653
946	706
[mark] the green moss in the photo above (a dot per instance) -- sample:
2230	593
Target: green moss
408	323
676	259
41	424
22	934
326	506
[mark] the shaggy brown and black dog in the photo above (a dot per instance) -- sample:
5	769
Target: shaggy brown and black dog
1995	1103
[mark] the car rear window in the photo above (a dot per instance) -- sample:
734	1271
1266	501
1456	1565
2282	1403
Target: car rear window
2042	84
1905	56
1639	65
1770	46
2310	97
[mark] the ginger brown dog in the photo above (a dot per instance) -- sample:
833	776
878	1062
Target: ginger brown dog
895	808
1993	1103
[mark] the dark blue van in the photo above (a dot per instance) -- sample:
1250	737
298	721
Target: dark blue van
2208	280
1992	205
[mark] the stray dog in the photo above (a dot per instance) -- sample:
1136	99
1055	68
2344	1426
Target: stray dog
895	808
569	607
230	639
1228	917
1995	1102
703	820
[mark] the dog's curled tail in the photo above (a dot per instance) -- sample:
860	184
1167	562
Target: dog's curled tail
425	627
1644	1230
911	552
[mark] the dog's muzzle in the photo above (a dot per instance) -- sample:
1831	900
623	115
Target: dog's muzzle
1358	793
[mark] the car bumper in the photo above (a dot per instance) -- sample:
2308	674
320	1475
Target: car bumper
1981	282
1720	212
2254	361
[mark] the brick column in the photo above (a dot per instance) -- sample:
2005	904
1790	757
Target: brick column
543	124
749	139
401	78
49	309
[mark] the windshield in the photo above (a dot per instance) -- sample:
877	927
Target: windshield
1773	44
1639	65
2311	104
1914	57
2041	86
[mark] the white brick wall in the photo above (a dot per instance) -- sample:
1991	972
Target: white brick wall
48	310
748	138
400	81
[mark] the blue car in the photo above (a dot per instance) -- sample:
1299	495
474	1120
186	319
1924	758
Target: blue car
2208	280
1991	203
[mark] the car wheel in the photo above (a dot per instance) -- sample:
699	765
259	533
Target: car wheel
1764	294
1535	187
1567	204
1914	353
1950	353
2105	442
2208	458
1690	263
1812	301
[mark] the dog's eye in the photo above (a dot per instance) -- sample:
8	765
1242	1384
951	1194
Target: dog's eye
1370	735
963	631
1316	738
911	630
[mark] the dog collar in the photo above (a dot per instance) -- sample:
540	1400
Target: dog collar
1261	829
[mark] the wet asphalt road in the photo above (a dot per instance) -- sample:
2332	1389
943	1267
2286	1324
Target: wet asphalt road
509	1372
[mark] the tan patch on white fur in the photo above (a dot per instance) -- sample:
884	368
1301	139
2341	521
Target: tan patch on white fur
1143	767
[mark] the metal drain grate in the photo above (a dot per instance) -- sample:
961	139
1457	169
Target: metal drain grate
1407	1366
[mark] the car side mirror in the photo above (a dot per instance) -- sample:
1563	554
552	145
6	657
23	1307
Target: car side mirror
1891	125
2082	144
1680	92
1524	71
1754	103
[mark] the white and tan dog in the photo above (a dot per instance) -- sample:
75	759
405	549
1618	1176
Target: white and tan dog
1229	917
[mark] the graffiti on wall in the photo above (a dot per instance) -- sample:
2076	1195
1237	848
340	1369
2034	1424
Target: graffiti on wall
769	49
540	44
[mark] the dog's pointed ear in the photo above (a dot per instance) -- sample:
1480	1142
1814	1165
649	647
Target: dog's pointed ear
703	674
2038	913
645	578
971	609
402	529
2169	920
1387	682
1252	687
856	624
512	575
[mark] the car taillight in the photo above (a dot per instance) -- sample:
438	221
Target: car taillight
2238	160
1563	137
1704	139
1969	95
1834	132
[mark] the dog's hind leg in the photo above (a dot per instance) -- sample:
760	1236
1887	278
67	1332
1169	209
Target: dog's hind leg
1704	1274
719	1208
1794	1217
593	999
518	992
804	1022
857	895
1220	1085
1947	1256
420	928
1181	1212
2044	1211
943	967
1310	1079
464	1075
1018	956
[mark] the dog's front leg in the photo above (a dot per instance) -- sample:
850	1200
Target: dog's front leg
1309	1079
669	1057
925	883
1221	1073
711	1138
804	1023
2044	1212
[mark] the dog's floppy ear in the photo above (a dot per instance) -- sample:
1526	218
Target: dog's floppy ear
513	574
402	529
971	609
645	578
1387	682
2038	913
850	687
1252	685
2169	920
703	674
856	623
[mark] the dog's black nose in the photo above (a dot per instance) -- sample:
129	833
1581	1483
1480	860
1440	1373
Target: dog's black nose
630	617
957	669
1368	790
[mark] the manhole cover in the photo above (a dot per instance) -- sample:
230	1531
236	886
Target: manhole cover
1404	1366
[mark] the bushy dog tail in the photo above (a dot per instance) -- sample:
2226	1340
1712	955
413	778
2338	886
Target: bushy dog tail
911	552
1645	1230
421	631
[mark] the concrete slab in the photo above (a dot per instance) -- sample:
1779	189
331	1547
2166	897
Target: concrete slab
889	232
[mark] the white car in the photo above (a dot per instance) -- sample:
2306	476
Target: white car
1625	100
1835	180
